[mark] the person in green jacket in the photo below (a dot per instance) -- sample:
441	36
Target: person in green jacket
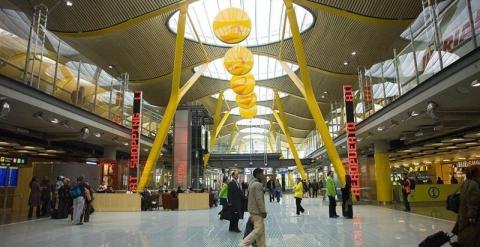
298	193
223	195
331	193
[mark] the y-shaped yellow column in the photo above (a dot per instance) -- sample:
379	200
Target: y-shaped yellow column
172	102
310	96
280	117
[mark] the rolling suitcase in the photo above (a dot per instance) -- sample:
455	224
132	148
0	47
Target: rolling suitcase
435	240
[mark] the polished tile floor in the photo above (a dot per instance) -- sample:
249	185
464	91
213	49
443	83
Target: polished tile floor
372	226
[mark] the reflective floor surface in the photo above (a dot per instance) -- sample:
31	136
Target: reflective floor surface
372	226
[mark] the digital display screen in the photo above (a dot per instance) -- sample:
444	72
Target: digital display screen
3	176
13	177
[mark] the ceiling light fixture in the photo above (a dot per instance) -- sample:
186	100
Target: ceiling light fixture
413	114
69	3
446	160
54	120
345	63
381	128
98	134
4	108
111	66
476	83
125	143
418	134
354	53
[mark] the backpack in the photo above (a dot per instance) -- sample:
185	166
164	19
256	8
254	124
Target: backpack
75	192
412	184
453	202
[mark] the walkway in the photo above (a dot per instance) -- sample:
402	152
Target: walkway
372	226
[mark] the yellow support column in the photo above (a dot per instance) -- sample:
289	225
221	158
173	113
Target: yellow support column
218	123
172	102
234	136
280	117
310	96
382	173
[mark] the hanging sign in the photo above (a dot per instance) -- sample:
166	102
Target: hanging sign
353	167
135	140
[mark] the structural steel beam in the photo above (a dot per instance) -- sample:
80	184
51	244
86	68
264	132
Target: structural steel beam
172	102
184	89
218	123
294	78
280	117
310	96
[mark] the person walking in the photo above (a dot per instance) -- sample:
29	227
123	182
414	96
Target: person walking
331	193
64	200
223	195
34	200
88	209
235	201
77	193
347	204
315	188
298	193
271	189
468	221
46	196
256	208
406	189
278	190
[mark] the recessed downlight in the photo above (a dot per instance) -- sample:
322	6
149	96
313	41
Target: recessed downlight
475	83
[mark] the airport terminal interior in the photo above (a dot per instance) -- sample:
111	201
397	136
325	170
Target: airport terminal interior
145	123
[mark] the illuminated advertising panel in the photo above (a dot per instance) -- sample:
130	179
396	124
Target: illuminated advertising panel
135	140
353	167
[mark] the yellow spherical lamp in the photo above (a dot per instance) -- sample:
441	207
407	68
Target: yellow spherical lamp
238	60
249	112
242	84
232	25
246	101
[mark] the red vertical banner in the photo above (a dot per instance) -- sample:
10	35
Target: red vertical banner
135	140
353	167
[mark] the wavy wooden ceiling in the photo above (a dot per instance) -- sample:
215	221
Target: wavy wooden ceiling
146	50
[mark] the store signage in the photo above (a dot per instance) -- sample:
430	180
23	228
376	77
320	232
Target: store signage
467	163
367	93
12	161
353	167
135	140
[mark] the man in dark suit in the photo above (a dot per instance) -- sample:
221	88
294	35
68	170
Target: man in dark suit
235	200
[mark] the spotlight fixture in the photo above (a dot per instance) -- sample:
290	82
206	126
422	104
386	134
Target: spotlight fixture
69	3
85	132
145	149
381	128
413	113
98	134
125	143
4	108
54	120
354	53
345	63
476	83
111	66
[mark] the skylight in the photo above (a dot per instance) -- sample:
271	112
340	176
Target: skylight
263	94
253	130
264	68
266	16
261	110
253	122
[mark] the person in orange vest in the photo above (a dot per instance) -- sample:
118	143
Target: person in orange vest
406	189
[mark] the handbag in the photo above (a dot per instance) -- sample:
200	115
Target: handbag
453	202
227	213
248	227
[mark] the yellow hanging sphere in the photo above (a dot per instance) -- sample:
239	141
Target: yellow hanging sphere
243	84
246	101
232	25
238	60
249	112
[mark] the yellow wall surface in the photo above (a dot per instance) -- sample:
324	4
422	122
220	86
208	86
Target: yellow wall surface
431	192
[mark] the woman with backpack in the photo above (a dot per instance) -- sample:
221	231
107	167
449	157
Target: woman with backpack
468	222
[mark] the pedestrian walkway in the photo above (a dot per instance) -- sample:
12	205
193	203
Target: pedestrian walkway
372	226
